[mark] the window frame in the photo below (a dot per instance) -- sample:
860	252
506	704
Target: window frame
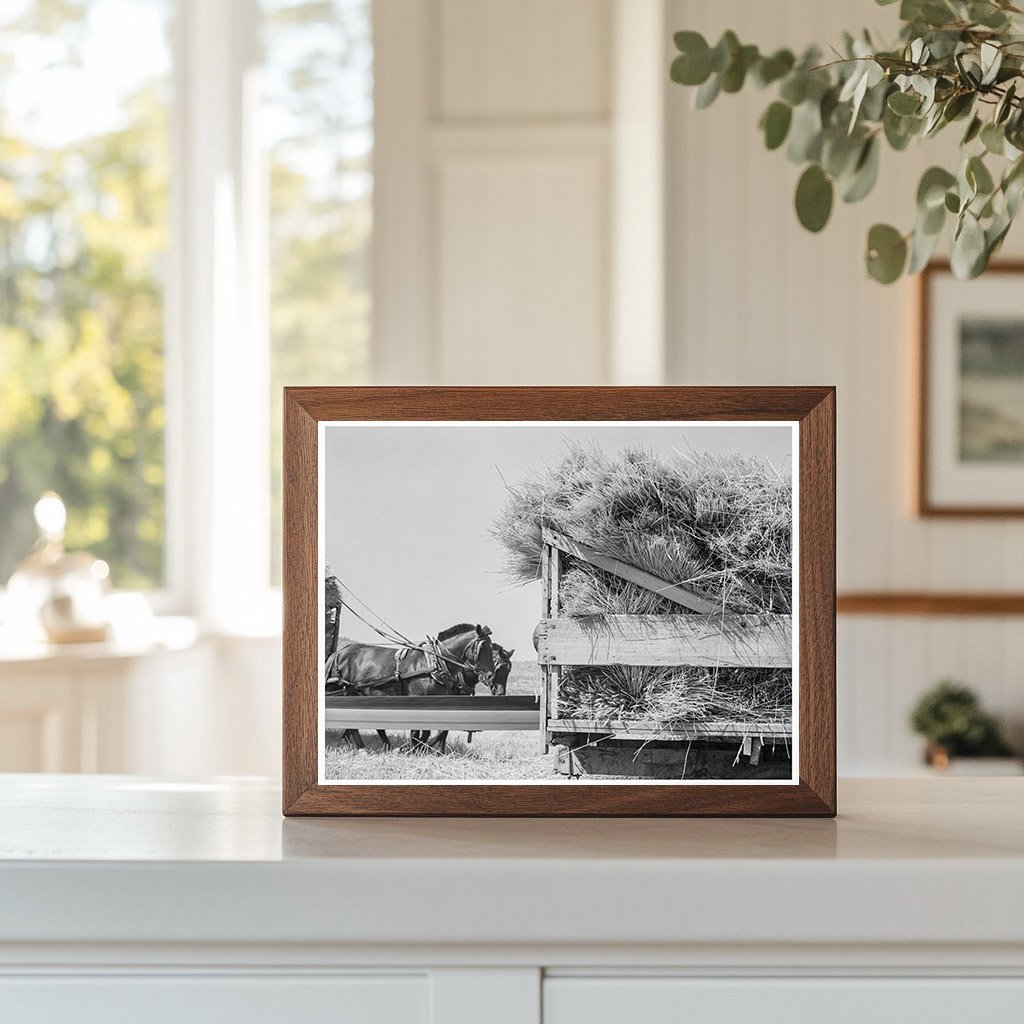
217	351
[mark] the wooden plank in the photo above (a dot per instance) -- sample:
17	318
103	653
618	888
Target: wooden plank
679	595
741	641
555	674
546	612
456	720
627	729
507	703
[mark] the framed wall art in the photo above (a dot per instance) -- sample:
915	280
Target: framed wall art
970	424
559	601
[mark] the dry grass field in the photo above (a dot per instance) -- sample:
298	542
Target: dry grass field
507	756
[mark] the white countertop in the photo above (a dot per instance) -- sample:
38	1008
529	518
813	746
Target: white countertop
123	859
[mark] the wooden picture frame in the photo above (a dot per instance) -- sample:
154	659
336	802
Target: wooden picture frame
931	373
811	410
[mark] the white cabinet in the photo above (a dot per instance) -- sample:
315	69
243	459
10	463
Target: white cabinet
98	707
176	704
204	999
126	899
829	1000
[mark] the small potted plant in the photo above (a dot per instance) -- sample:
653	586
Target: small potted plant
951	719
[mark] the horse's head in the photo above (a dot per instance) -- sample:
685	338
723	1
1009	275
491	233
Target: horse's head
502	668
481	656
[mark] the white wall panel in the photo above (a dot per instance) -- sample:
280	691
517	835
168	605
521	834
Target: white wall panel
522	286
530	58
754	299
493	202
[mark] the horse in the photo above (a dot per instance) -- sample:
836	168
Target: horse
455	662
497	686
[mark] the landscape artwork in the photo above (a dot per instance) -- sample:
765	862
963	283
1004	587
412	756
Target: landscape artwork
991	389
558	603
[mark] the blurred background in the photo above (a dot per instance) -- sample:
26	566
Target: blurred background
204	200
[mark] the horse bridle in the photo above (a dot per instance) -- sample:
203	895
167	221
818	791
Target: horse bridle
468	665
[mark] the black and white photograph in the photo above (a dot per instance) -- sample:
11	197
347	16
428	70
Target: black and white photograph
557	603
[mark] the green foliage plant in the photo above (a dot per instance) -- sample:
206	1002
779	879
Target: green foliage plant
950	717
957	62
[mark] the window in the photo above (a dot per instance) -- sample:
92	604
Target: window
175	246
83	236
317	117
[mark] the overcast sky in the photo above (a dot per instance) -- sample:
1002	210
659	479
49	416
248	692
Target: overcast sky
408	509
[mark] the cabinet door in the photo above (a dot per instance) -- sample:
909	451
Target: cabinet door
205	999
570	1000
41	721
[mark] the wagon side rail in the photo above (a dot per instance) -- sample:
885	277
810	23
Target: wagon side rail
714	637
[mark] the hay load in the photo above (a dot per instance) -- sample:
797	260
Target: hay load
719	526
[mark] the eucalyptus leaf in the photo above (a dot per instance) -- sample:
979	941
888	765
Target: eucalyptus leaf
925	87
873	106
865	173
931	190
973	130
987	15
805	133
814	195
840	152
978	176
993	138
957	106
1014	192
900	130
1013	187
904	103
886	253
1005	105
771	69
691	70
930	12
724	51
775	124
735	74
922	248
794	88
931	221
707	93
991	60
944	44
968	247
827	106
933	122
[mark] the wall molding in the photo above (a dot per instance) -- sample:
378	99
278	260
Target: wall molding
929	603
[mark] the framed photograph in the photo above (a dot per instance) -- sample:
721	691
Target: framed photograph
559	601
970	444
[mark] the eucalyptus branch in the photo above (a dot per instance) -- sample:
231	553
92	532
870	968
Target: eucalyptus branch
955	61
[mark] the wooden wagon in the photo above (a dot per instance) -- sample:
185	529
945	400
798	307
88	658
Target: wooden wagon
709	638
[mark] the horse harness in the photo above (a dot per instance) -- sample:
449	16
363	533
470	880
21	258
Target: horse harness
439	669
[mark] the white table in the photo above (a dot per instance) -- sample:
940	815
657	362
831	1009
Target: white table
197	902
